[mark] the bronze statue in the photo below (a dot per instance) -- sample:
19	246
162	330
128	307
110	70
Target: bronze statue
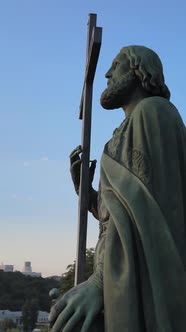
139	283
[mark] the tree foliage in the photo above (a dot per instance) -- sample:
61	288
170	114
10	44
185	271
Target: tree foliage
16	288
7	324
67	280
19	291
29	314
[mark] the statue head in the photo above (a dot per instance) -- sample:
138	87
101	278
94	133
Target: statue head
135	67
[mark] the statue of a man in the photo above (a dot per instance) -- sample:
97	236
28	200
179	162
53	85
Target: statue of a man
139	282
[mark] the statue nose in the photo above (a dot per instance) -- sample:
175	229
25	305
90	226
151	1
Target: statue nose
108	73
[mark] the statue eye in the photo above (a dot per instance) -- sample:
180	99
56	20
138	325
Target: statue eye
115	64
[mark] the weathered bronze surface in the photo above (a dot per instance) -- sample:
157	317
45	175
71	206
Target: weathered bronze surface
139	282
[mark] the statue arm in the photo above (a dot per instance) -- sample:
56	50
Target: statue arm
75	166
93	206
97	276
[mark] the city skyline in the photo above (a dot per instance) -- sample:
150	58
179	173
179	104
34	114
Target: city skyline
27	269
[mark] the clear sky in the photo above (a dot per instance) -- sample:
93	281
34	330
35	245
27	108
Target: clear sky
42	61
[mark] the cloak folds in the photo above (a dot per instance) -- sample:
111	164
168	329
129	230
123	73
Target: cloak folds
143	195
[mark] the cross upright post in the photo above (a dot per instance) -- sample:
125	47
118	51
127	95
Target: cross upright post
94	36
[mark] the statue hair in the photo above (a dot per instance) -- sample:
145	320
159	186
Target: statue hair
148	67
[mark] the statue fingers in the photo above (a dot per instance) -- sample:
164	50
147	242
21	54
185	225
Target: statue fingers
72	322
87	323
56	309
62	319
75	174
54	295
93	164
75	166
75	154
75	151
92	170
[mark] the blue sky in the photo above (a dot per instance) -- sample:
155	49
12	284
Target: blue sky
42	61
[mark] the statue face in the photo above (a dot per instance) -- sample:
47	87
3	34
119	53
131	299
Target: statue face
121	80
120	67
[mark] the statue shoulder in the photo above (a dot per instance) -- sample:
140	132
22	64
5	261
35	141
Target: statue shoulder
153	102
155	108
155	113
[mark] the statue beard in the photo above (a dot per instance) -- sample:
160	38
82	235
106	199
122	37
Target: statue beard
118	94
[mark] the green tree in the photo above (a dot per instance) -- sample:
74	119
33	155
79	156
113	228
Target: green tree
15	288
29	314
89	262
7	324
44	329
67	280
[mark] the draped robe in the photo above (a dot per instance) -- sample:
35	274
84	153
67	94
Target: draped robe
141	252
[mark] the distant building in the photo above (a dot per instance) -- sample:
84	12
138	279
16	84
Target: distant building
15	316
7	268
27	267
42	319
27	270
57	278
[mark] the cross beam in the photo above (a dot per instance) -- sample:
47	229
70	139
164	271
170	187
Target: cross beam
94	36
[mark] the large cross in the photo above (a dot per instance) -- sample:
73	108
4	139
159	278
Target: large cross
93	47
